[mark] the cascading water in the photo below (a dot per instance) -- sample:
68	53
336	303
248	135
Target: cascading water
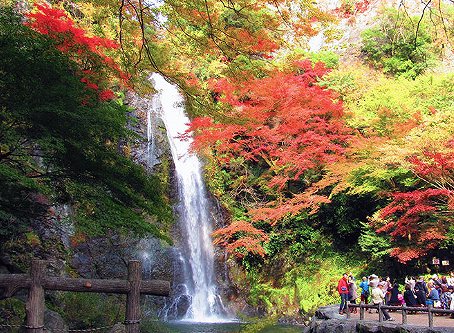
196	257
151	142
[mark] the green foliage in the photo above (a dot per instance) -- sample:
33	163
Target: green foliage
376	245
341	218
310	283
449	242
375	104
58	145
329	58
397	46
12	312
295	236
372	180
98	309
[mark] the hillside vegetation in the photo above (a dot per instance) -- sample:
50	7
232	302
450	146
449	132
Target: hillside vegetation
327	160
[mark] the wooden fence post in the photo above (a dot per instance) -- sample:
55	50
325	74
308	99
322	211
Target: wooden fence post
431	315
36	282
362	310
404	314
133	297
35	302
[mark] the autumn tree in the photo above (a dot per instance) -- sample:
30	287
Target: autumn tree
95	67
59	137
285	129
420	220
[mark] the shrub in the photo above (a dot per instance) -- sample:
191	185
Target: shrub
398	46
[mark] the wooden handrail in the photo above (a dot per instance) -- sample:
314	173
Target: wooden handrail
429	309
37	282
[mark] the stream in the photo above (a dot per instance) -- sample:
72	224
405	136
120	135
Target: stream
231	327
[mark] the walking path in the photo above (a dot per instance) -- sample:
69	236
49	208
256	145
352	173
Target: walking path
420	319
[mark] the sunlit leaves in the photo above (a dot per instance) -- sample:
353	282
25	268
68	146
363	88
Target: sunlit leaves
89	52
418	220
241	238
285	127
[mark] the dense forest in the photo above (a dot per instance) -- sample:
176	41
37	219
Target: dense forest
325	159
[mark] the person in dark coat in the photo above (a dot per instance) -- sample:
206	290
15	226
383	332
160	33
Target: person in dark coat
409	297
394	297
421	291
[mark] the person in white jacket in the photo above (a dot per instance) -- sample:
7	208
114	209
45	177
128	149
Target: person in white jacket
378	297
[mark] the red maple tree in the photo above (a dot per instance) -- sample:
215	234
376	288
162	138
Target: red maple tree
88	51
419	220
240	238
285	123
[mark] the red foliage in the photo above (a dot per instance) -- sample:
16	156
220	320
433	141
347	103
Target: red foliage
434	165
418	220
240	238
87	51
106	95
284	120
347	10
285	123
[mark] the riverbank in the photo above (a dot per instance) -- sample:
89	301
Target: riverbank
328	320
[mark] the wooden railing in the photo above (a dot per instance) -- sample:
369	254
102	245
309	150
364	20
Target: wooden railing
405	309
37	281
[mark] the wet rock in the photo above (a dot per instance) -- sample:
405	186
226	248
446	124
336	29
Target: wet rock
183	305
118	328
54	322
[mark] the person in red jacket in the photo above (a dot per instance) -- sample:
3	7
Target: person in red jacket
342	288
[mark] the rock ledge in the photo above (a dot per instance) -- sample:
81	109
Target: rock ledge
328	320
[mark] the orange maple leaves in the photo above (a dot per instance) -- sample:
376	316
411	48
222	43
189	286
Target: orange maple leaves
287	124
240	238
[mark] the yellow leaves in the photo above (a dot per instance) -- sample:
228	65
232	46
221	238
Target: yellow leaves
86	13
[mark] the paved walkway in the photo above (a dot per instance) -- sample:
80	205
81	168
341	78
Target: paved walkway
420	319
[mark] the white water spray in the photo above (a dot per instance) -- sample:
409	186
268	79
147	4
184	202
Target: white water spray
194	216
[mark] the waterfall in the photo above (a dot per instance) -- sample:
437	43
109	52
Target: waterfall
151	128
196	256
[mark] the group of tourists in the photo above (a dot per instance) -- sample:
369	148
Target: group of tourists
438	292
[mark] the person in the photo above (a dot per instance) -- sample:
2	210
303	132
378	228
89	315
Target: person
451	306
364	285
411	282
378	297
352	292
409	296
434	296
342	288
436	280
450	279
446	297
394	295
421	291
387	287
373	281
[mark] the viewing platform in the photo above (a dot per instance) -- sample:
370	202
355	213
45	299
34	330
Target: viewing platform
327	320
